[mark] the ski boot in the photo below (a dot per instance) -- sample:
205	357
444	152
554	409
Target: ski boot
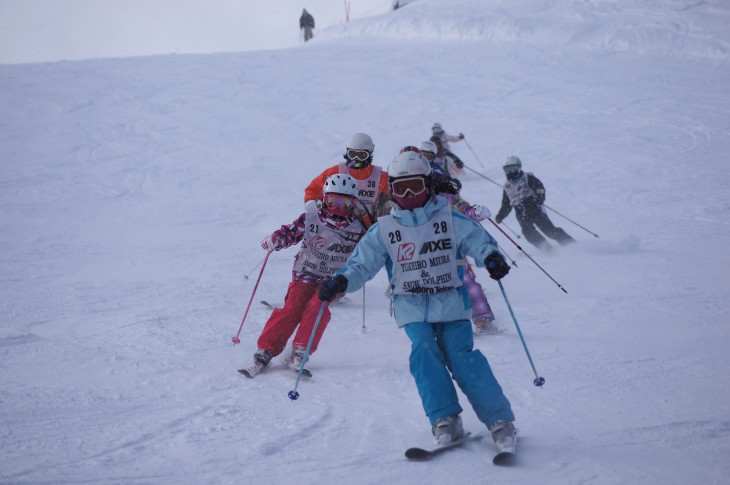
295	362
261	359
448	429
483	325
504	435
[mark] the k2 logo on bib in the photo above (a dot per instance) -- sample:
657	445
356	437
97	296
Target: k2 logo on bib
318	242
406	251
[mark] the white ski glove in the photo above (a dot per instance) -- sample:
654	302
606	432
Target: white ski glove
312	205
481	212
271	243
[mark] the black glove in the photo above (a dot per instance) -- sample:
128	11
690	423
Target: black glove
499	219
461	136
496	265
332	287
446	185
458	163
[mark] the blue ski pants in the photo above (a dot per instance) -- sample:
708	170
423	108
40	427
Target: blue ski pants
442	350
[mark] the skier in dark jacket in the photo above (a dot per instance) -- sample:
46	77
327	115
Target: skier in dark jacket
306	23
526	194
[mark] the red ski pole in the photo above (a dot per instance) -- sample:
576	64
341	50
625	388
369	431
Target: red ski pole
525	253
235	339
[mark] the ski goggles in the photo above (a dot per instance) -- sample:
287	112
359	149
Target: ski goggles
511	169
354	154
428	155
414	185
339	201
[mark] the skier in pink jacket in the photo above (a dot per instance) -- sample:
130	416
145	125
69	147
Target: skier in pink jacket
328	236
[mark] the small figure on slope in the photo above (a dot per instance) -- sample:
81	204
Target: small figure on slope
526	194
306	24
372	181
445	158
328	236
482	315
422	244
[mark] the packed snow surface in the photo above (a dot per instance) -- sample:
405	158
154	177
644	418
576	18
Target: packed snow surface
135	192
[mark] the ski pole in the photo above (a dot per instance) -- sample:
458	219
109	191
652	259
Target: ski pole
293	394
252	269
483	176
363	308
539	381
235	339
571	220
525	253
475	153
545	205
511	230
512	261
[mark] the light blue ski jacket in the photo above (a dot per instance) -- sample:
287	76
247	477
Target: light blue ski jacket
371	254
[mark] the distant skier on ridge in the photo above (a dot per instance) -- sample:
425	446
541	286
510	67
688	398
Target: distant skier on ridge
306	23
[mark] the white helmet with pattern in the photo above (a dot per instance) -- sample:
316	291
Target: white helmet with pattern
340	184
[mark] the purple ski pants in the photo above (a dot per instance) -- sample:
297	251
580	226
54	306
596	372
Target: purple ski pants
480	305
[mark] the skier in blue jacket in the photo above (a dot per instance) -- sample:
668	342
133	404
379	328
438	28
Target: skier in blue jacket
423	244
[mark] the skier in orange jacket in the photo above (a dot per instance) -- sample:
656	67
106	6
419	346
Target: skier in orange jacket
372	180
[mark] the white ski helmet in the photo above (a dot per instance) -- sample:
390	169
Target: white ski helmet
361	141
340	184
405	174
512	161
428	147
436	129
409	164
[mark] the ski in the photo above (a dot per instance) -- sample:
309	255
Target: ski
428	453
493	332
504	458
305	373
252	371
268	305
255	370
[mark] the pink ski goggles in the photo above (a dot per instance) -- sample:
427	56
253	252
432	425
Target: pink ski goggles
339	204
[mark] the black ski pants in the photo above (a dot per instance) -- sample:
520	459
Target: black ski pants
531	218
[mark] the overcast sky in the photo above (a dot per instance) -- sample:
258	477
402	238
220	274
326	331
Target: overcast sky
51	30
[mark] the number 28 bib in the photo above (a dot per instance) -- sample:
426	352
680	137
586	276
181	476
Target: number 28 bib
424	257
